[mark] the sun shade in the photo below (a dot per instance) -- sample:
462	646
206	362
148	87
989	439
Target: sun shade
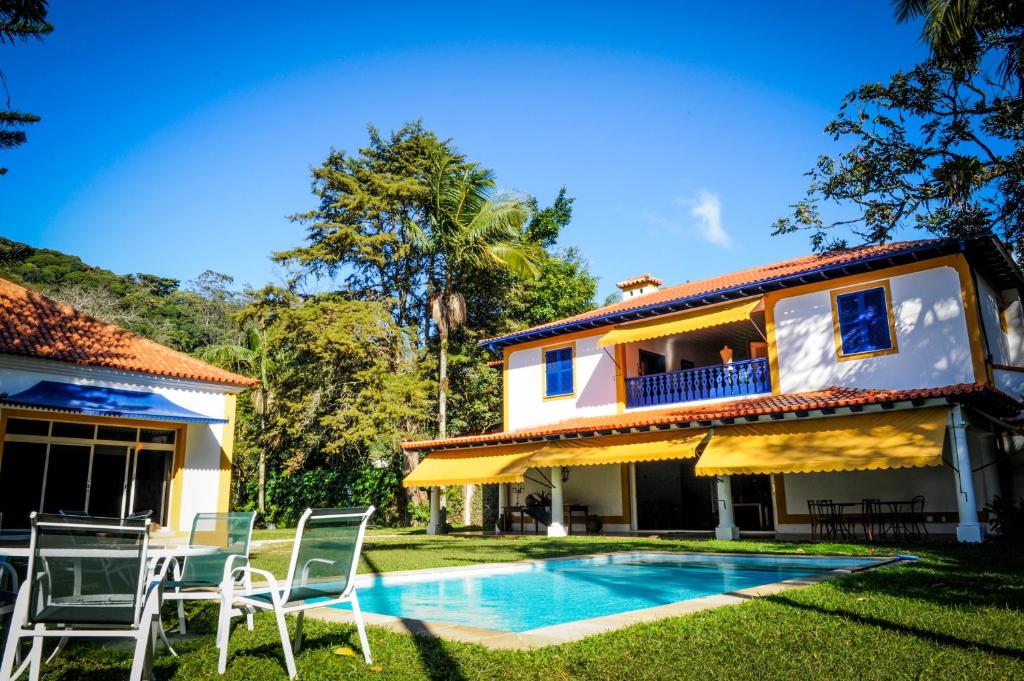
508	463
98	401
899	439
472	466
683	323
678	444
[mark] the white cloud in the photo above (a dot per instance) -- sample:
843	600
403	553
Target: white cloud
707	208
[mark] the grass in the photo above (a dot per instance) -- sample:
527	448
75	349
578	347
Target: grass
957	613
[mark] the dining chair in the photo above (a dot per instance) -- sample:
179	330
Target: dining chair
914	520
200	578
322	571
87	578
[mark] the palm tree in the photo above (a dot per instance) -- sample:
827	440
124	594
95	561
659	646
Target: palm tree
468	229
253	358
954	30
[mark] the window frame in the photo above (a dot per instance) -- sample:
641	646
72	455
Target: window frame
544	370
891	318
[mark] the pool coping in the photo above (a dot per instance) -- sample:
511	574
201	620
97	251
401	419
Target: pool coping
580	629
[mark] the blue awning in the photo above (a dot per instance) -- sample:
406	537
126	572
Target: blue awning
97	401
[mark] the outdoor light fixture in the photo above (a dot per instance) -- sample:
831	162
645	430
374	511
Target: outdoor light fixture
565	474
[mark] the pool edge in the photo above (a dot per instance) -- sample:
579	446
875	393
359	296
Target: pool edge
568	632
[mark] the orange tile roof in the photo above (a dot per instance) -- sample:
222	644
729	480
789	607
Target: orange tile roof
829	398
633	282
32	325
754	275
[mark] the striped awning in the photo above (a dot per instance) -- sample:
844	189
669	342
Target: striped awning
681	323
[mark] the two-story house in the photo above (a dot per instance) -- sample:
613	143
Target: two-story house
881	372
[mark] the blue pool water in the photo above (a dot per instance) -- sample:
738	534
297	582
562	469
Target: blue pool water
531	595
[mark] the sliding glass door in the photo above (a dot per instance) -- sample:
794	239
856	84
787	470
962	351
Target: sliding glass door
73	467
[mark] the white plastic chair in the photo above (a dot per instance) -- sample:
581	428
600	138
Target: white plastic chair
87	578
322	573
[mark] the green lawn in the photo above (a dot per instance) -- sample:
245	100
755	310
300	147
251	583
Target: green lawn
955	614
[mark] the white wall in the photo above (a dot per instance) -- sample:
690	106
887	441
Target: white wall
998	342
931	333
595	385
200	489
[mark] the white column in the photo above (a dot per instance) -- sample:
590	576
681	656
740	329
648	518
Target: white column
435	510
968	530
726	529
557	526
467	507
502	500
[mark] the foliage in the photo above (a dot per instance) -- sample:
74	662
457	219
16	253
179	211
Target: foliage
157	307
20	20
1006	516
937	147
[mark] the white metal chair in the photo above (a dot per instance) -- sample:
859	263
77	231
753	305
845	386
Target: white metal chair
87	578
322	572
200	577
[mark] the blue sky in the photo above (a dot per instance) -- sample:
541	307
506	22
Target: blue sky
178	136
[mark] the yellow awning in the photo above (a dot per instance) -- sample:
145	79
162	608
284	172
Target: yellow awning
507	463
472	466
899	439
678	444
681	323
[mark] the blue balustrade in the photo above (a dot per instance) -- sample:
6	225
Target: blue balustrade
745	377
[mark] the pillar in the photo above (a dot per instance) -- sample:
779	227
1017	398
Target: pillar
502	502
435	511
557	526
968	529
726	529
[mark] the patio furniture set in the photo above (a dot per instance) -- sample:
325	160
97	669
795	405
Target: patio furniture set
871	519
91	577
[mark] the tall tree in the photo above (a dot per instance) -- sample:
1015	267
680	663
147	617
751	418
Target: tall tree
937	147
468	229
20	20
253	357
370	203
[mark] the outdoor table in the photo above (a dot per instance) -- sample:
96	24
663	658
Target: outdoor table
571	509
155	552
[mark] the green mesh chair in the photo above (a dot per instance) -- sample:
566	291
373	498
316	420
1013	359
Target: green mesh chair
87	577
200	577
322	572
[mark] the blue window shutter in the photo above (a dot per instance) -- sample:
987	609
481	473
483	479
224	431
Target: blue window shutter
558	372
863	321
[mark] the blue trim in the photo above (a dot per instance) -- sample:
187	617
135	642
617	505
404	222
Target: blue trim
938	246
98	401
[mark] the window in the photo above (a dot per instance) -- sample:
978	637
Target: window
863	322
558	374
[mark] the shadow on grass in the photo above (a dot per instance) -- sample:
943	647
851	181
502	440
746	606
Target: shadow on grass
438	664
925	634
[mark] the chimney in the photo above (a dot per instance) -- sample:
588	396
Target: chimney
638	286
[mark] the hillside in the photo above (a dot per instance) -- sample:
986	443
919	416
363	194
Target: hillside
183	317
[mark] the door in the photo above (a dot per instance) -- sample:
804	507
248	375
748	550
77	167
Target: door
152	475
651	363
66	487
670	497
108	487
21	479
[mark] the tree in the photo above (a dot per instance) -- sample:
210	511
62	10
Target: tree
255	359
937	147
468	229
20	20
369	204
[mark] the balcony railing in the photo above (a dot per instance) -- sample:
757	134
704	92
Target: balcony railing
746	377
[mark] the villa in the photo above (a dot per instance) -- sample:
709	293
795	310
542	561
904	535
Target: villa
96	419
882	372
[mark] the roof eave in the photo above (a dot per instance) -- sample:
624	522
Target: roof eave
880	261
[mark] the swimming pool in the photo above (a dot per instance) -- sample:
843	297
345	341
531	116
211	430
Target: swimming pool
521	597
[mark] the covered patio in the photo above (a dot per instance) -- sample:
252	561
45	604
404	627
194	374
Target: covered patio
891	455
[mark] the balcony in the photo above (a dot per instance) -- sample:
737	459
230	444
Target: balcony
736	379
